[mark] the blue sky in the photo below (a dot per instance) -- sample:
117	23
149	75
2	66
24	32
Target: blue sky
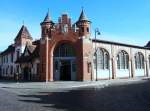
126	21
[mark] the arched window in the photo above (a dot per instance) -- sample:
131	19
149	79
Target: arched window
64	50
102	59
139	61
123	60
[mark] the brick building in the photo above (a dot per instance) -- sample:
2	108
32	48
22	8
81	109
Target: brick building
67	51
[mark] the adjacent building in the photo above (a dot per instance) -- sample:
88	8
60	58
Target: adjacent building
66	51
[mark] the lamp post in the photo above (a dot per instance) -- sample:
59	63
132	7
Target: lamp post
97	32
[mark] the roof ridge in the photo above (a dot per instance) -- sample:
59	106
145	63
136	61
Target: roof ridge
23	33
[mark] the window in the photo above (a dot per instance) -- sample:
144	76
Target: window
74	66
11	70
4	59
3	71
64	50
11	57
139	61
7	58
65	28
42	31
102	58
47	30
18	54
38	68
89	67
56	65
87	29
122	60
17	68
82	29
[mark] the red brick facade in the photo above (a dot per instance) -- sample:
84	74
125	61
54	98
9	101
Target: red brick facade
64	32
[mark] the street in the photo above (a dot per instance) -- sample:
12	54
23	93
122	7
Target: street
115	96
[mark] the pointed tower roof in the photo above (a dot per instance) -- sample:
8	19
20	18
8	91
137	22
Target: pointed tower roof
23	33
148	44
47	18
83	16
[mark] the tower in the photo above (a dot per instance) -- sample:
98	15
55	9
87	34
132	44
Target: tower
84	25
23	37
46	26
85	47
46	29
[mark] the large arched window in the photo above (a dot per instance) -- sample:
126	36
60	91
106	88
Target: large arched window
64	50
123	60
139	60
102	59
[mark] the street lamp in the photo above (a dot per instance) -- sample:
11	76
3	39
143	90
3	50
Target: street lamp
97	32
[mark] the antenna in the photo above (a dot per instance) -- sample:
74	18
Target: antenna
82	7
48	10
23	22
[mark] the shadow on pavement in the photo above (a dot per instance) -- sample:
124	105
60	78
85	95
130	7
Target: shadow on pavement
131	97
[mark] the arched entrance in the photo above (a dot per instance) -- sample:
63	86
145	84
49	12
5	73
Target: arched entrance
64	62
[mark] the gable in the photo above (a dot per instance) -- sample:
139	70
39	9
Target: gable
26	52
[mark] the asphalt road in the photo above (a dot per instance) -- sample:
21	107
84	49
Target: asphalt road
116	97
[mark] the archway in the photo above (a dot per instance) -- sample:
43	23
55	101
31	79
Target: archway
64	62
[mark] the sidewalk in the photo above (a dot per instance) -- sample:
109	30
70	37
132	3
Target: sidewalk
69	84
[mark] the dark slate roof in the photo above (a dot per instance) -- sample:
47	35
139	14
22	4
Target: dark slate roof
121	44
148	44
10	49
31	48
47	18
23	59
23	33
33	53
36	42
82	17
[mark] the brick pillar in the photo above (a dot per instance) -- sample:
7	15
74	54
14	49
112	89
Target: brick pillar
113	62
85	59
147	67
132	67
110	69
114	68
47	59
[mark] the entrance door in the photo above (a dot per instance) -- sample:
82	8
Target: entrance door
64	67
26	73
65	70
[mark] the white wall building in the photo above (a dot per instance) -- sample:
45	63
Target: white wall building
9	56
118	60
